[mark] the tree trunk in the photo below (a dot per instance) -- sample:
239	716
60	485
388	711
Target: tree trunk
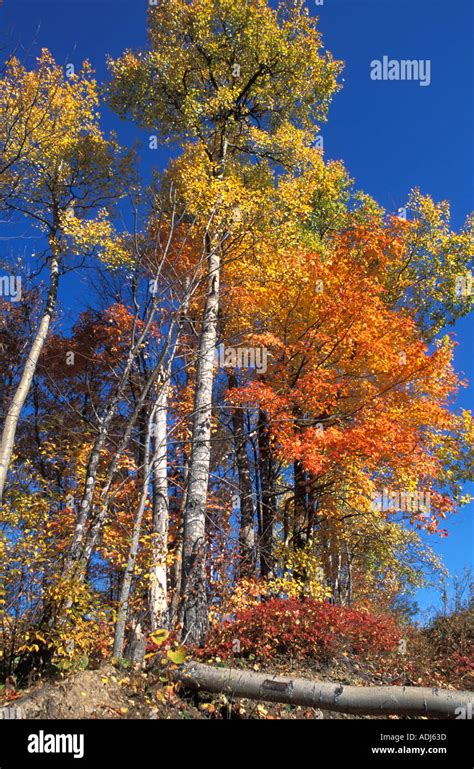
175	613
136	646
16	406
359	700
124	599
247	512
268	497
194	541
193	583
300	505
160	519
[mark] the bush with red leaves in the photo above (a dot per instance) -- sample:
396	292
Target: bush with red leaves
302	629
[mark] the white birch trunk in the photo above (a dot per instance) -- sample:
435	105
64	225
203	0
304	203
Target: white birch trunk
21	394
158	571
360	700
194	542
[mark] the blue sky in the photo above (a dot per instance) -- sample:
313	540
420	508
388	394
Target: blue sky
391	135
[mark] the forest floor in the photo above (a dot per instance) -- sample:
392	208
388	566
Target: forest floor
112	692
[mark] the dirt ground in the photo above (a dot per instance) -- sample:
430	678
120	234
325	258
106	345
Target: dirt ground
112	693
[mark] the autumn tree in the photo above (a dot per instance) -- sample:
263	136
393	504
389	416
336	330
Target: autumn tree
62	174
348	411
227	76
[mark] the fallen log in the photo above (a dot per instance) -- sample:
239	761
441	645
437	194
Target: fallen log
359	700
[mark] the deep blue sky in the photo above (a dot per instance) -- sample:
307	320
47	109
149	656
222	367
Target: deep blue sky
392	136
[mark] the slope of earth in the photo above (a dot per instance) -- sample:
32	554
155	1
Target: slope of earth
110	692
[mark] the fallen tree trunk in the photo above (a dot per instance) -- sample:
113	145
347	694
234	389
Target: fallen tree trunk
359	700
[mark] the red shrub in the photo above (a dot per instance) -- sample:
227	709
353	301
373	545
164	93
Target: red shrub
302	629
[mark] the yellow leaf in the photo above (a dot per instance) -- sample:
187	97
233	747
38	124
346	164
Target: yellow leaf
177	655
159	636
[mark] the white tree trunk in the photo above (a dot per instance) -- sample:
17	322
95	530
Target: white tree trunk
158	571
194	542
21	394
359	700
